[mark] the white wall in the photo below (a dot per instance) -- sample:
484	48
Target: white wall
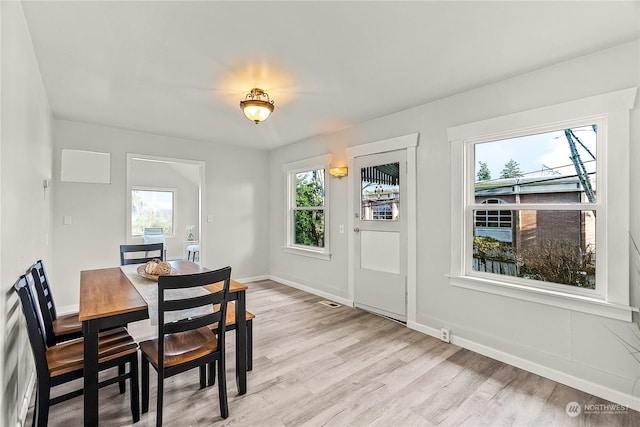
571	347
25	161
236	196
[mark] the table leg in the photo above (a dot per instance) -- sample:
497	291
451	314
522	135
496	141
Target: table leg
241	343
90	331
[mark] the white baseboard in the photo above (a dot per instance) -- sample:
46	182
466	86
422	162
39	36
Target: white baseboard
544	371
253	279
66	309
334	298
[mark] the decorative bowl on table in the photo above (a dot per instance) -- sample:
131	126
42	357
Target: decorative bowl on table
155	268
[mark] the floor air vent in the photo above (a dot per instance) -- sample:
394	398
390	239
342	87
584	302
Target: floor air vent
330	304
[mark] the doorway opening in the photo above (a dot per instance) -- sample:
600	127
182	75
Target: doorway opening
166	193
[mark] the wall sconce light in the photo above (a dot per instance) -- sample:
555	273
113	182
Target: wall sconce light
339	172
257	106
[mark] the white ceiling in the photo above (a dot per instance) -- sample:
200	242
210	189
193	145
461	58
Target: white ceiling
180	68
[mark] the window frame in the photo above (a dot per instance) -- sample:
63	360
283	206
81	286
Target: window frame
472	206
611	112
174	191
290	171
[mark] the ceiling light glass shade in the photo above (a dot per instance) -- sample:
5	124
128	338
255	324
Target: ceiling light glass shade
257	106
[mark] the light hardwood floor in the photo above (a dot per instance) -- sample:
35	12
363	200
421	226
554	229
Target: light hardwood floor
316	366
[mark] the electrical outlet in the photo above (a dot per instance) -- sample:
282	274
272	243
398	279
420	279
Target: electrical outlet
444	336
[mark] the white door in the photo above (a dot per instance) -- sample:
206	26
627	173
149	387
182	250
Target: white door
380	230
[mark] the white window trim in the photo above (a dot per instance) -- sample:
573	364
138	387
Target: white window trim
289	171
614	106
173	208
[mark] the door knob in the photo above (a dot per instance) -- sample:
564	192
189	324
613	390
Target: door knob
356	229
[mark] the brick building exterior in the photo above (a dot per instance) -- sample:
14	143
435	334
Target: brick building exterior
524	229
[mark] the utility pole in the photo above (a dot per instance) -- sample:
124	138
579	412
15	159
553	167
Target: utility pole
581	171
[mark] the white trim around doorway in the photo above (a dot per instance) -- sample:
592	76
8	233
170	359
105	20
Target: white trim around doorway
405	142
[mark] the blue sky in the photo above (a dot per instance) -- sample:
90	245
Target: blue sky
550	149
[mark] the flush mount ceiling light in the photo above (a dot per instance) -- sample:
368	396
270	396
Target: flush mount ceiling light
257	106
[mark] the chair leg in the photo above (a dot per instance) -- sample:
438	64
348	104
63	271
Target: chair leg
122	384
211	369
249	345
135	394
42	405
159	399
145	385
222	388
203	376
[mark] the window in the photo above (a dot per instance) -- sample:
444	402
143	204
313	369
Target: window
535	204
550	169
307	194
152	207
380	192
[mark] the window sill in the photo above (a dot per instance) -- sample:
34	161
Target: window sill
543	296
311	253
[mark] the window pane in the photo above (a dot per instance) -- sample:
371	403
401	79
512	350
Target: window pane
551	167
310	188
556	246
380	192
309	227
151	209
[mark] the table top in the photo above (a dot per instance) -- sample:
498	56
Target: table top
107	291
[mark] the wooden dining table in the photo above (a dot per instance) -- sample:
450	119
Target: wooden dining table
109	299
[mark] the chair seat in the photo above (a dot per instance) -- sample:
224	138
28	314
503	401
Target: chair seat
181	347
193	248
231	316
69	356
67	325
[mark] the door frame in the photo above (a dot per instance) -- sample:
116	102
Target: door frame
409	143
201	192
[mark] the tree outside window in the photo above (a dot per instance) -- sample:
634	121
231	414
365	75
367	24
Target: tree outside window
151	208
308	213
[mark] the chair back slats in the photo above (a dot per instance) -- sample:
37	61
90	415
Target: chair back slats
153	231
34	327
192	323
148	251
192	302
45	301
216	300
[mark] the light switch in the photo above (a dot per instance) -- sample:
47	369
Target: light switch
341	228
67	220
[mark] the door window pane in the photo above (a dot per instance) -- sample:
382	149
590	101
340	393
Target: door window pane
380	192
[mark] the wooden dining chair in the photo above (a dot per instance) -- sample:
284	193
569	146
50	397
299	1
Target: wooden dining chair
57	328
151	251
187	343
62	363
